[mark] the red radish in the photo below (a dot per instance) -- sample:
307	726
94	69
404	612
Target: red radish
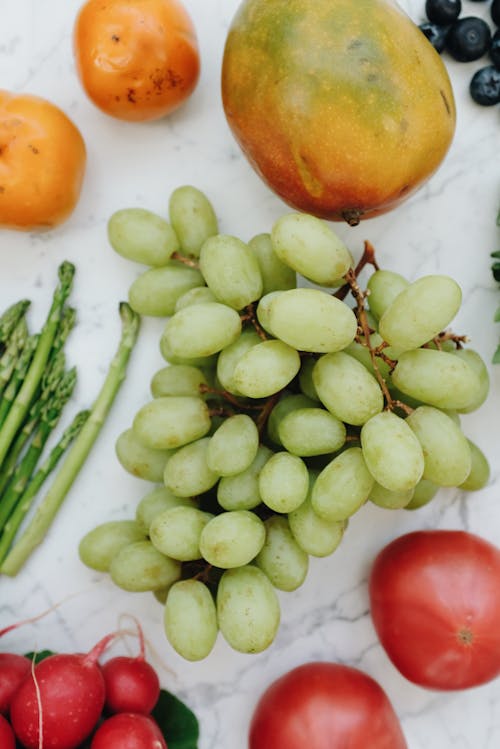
13	669
59	704
128	731
132	685
7	738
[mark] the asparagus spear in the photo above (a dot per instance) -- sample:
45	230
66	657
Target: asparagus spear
10	319
17	377
77	454
26	500
50	382
31	383
12	352
49	416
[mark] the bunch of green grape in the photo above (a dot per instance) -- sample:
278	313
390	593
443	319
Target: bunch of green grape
290	398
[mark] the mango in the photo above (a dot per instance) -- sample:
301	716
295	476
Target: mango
343	107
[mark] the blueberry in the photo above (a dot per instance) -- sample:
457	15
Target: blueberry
443	11
468	39
435	34
495	12
495	48
485	86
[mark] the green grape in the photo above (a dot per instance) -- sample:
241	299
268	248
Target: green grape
315	535
390	500
197	295
178	379
359	351
232	539
176	532
265	369
420	312
342	487
477	363
230	356
479	474
384	286
207	363
437	378
281	558
192	217
155	502
248	609
392	452
171	421
310	247
233	446
311	320
241	492
287	403
98	547
142	236
284	482
155	292
231	271
201	330
311	431
190	619
445	447
187	473
263	310
140	567
139	460
306	378
423	493
161	594
276	275
347	389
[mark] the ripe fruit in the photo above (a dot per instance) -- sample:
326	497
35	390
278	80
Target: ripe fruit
443	11
468	39
325	117
42	163
136	59
485	86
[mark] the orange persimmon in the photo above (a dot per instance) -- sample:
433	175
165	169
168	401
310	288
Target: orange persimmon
42	163
136	59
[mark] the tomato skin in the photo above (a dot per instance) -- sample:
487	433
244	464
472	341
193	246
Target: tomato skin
137	60
435	604
325	706
42	163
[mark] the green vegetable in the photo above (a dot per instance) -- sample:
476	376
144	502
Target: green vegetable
29	492
75	458
34	375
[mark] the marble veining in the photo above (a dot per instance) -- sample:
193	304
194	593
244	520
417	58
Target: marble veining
447	227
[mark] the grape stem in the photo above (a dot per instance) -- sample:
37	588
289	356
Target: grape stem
251	317
359	296
190	262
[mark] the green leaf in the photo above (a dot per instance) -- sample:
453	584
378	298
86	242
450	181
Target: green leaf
496	318
176	721
40	656
496	254
496	357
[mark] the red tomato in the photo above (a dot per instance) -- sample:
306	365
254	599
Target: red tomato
435	603
325	706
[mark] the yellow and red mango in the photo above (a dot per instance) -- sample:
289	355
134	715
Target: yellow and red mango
343	107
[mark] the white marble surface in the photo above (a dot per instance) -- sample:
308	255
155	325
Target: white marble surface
448	227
